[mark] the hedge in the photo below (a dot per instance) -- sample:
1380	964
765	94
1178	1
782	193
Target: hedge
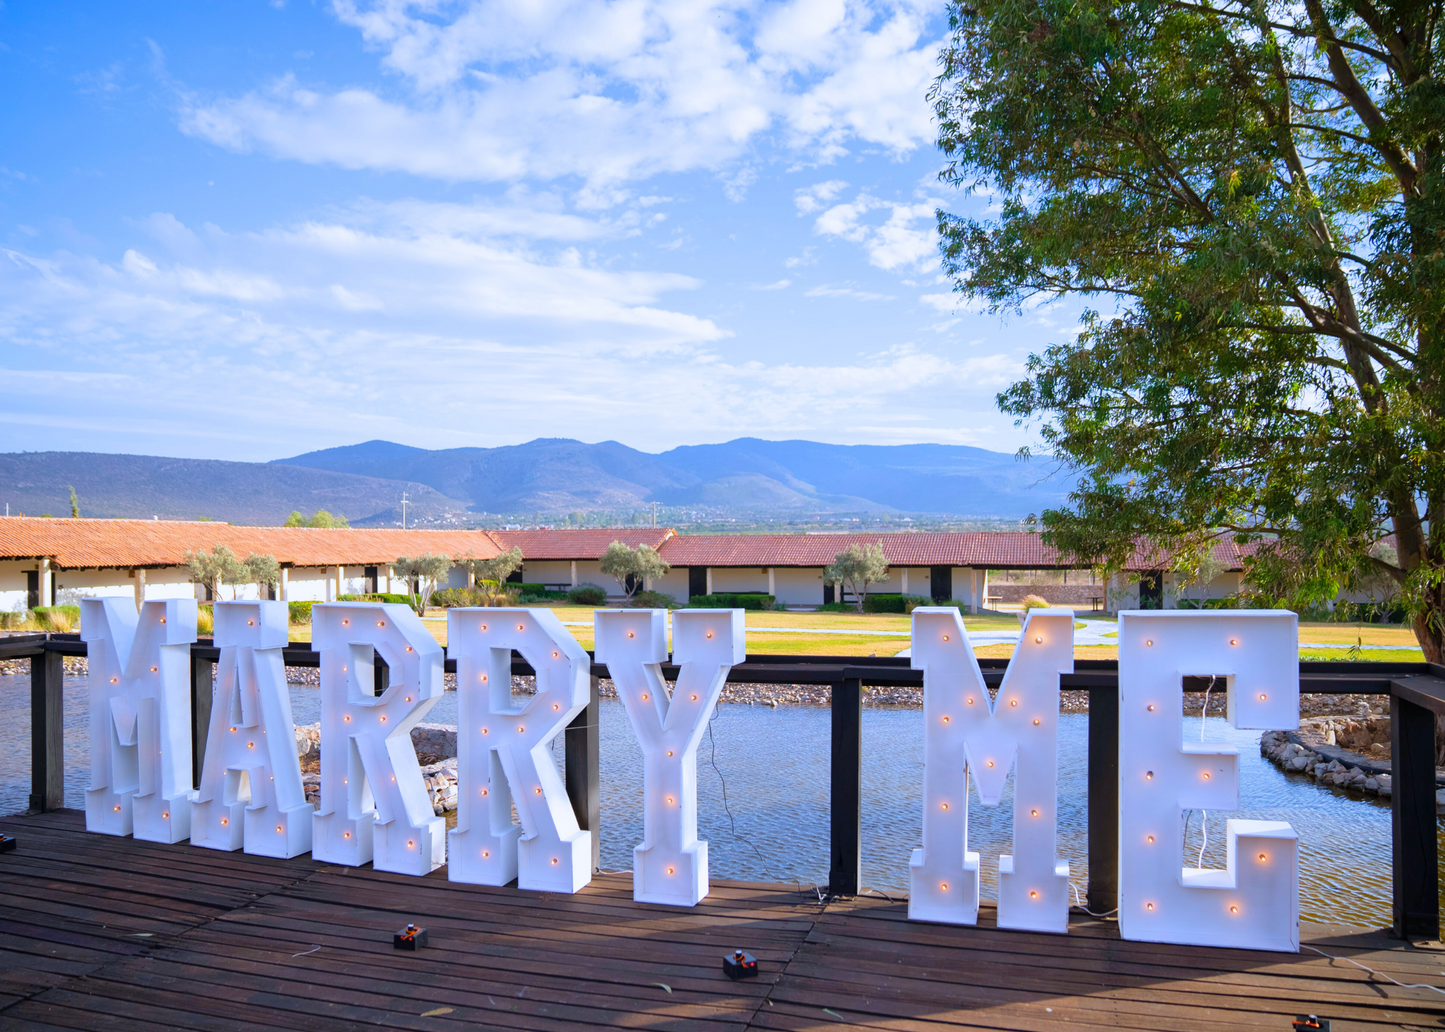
377	596
888	602
732	600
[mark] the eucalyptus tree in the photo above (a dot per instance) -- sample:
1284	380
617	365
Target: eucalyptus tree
1249	196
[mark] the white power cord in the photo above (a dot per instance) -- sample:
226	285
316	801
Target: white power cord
1204	814
1079	905
1402	985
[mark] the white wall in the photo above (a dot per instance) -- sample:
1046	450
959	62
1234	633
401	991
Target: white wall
673	582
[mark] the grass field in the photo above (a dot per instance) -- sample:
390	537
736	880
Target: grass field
760	642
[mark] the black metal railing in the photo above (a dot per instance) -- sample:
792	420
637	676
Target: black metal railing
1416	692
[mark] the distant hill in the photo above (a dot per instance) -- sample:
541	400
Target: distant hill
558	476
142	486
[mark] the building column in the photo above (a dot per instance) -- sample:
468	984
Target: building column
709	580
47	583
772	583
574	573
285	594
388	580
336	583
471	577
903	584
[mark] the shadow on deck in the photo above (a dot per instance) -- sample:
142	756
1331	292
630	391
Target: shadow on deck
105	933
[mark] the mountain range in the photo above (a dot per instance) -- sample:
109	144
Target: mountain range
365	482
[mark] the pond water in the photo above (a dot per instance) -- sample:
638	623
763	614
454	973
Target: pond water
763	798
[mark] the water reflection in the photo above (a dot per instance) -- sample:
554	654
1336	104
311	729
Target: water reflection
772	766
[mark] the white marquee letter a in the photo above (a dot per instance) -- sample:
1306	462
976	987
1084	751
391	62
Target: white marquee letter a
967	734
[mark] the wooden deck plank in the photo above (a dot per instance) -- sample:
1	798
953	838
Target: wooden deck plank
224	928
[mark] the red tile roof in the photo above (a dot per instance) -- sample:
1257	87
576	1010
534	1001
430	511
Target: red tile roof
577	544
78	543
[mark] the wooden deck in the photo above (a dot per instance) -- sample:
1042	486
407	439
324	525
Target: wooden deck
104	933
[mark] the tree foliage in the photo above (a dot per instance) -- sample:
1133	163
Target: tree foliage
262	570
216	567
858	567
421	573
1251	194
632	566
491	573
320	518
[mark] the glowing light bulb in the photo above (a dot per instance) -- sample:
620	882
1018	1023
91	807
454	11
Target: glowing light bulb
694	698
485	854
163	619
969	700
555	655
1263	857
631	635
1013	702
484	677
484	791
1033	813
233	730
278	829
1151	707
486	731
943	886
1261	696
709	634
250	745
346	718
946	719
1234	910
346	834
250	623
669	800
945	637
381	623
520	627
538	791
554	861
1038	641
225	820
521	729
944	806
1149	839
408	698
669	870
1148	906
1234	641
345	623
1206	775
1033	895
556	706
410	843
153	669
409	648
115	680
669	752
1036	721
990	763
1148	775
1150	641
117	809
644	697
484	627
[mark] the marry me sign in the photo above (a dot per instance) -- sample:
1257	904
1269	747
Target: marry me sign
374	806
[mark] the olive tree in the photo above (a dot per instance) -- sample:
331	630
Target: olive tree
262	570
216	567
632	567
857	567
421	574
492	573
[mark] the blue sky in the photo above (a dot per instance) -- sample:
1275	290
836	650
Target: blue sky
246	230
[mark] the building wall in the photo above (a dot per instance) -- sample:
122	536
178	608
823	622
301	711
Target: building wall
673	582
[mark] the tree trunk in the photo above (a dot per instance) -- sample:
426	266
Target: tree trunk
1432	643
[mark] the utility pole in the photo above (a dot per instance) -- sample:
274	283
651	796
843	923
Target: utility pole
654	514
403	510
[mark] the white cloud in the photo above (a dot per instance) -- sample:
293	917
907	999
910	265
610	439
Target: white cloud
907	238
605	91
848	292
781	284
812	198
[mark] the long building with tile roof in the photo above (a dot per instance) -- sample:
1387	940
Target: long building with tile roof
48	560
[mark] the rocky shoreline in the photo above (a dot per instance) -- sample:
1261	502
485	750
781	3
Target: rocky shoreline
1345	753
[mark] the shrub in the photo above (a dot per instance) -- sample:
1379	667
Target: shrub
300	611
587	595
456	598
376	596
732	600
205	620
540	598
837	607
1034	602
654	600
59	619
1214	603
888	602
10	621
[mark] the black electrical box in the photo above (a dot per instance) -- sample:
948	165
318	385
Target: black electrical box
1310	1023
409	938
7	843
738	964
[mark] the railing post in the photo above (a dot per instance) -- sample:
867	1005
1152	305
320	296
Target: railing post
1412	818
47	731
584	781
203	673
1103	798
846	850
